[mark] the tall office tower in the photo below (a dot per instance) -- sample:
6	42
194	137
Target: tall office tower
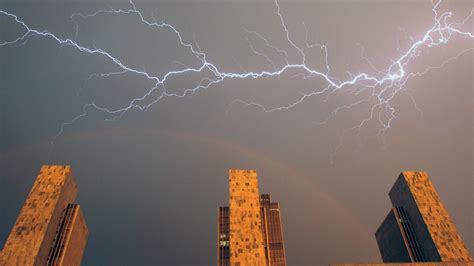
249	230
246	237
272	231
418	227
50	229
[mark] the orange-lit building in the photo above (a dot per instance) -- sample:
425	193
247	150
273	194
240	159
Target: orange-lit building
50	229
250	229
418	228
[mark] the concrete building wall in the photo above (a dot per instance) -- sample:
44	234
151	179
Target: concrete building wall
246	238
34	230
427	231
441	228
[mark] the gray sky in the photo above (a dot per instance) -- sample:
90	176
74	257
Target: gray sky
150	182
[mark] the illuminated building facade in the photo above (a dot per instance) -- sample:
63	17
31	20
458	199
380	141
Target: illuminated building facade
418	228
50	229
250	229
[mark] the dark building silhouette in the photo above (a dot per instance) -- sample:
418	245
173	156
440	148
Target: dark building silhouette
223	234
272	231
50	229
418	228
250	230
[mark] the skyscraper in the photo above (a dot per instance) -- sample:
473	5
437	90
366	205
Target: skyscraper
418	227
50	229
272	231
249	230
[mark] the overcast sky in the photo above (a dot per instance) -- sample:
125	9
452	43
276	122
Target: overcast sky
150	182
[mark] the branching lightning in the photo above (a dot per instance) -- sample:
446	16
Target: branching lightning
384	84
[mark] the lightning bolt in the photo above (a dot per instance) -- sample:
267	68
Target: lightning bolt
384	84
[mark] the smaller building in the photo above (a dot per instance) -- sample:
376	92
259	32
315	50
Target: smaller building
223	237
